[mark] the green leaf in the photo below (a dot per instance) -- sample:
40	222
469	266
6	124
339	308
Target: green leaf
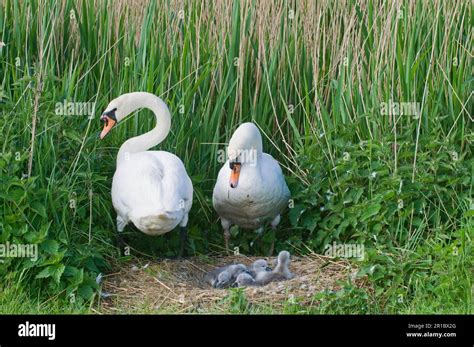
58	271
15	193
45	273
54	258
55	271
469	213
50	246
295	214
85	292
37	236
39	208
370	211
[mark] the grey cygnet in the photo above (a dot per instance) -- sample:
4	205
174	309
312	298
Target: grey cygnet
279	273
228	275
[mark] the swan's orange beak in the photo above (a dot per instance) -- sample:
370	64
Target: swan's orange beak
108	125
234	175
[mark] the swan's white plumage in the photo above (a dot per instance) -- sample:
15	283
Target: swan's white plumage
150	188
153	190
261	193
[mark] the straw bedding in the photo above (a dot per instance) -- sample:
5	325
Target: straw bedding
178	286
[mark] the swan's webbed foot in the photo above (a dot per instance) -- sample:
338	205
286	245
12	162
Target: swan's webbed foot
184	237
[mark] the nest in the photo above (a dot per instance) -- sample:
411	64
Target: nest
178	286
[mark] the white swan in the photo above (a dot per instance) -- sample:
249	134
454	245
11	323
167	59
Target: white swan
250	188
149	188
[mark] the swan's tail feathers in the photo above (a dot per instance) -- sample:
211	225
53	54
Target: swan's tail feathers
156	223
169	215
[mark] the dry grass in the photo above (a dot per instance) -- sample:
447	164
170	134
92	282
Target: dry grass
178	285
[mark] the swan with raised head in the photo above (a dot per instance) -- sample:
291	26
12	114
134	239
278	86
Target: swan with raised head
151	189
250	188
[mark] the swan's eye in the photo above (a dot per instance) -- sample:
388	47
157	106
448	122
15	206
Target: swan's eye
232	164
110	114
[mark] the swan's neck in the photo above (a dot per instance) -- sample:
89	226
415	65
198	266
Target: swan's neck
152	138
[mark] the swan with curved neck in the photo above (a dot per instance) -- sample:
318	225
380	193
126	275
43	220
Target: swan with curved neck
250	188
150	188
124	105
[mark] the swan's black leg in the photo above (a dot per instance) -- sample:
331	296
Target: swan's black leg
272	249
119	239
184	237
206	239
274	225
226	240
119	242
272	245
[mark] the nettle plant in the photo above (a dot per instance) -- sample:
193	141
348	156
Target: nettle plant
359	194
61	264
